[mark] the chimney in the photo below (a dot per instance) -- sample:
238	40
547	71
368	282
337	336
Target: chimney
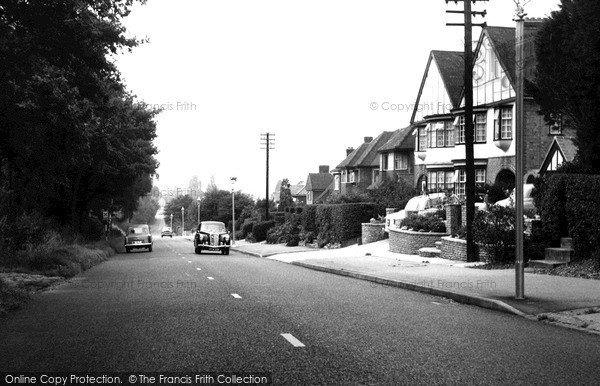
323	168
368	139
349	150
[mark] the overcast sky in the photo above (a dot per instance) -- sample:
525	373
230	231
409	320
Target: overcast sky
308	71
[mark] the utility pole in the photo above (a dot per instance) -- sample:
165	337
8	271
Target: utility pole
267	140
519	127
469	126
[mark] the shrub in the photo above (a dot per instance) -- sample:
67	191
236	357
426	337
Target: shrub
569	206
338	223
247	228
309	218
259	231
430	222
278	217
494	232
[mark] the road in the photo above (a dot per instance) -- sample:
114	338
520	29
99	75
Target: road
172	310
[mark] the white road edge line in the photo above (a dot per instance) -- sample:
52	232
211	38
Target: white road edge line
295	342
198	269
236	296
436	303
210	278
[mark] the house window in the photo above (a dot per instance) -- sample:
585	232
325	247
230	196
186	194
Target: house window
503	123
480	127
337	184
344	176
440	181
400	161
462	180
422	138
460	186
449	133
375	176
440	136
351	176
555	124
384	161
460	129
430	137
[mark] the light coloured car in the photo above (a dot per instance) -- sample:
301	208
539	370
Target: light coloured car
509	202
426	203
138	236
166	231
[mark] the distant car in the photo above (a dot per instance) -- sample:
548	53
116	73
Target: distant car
138	236
212	236
426	203
166	231
527	199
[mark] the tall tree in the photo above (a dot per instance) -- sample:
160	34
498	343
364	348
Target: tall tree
568	73
285	195
73	139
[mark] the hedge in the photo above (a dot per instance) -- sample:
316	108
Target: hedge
247	228
259	230
341	222
309	218
569	206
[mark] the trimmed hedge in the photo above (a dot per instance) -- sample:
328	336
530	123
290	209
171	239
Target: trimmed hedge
247	228
259	230
569	206
309	218
341	222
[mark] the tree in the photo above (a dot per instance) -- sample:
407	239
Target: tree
195	187
568	73
73	138
393	194
146	211
174	208
285	196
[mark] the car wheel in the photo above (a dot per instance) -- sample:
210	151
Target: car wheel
226	251
161	236
149	249
127	250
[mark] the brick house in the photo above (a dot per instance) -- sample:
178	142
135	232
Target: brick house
396	160
318	186
361	167
440	139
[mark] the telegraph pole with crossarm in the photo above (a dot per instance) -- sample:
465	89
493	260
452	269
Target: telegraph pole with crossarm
267	141
469	126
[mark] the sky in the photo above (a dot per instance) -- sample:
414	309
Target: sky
319	74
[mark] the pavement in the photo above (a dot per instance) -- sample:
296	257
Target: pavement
567	301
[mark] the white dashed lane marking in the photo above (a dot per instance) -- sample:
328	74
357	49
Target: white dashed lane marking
210	278
236	296
436	303
198	269
295	342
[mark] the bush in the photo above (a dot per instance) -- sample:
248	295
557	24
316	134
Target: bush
569	207
278	217
259	231
247	228
338	223
430	222
309	218
494	232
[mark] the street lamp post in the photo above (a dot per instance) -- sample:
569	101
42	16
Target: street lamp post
198	210
233	179
171	222
182	220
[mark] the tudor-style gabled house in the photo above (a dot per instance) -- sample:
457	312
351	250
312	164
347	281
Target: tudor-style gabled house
440	150
433	121
396	157
361	167
318	185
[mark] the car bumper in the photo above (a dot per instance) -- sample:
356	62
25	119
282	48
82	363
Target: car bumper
138	245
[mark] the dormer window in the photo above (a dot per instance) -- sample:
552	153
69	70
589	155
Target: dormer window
555	124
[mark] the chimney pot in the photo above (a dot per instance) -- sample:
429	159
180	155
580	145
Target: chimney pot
368	139
349	150
323	168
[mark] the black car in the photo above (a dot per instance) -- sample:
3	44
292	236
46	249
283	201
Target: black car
212	236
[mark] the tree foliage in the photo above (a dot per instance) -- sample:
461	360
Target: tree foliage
392	194
285	196
568	73
73	138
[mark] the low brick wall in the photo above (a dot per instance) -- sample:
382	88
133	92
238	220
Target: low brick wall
372	232
456	249
409	242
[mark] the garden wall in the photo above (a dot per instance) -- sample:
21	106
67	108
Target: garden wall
409	242
372	232
456	249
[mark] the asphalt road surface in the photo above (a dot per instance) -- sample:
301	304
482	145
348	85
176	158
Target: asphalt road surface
172	310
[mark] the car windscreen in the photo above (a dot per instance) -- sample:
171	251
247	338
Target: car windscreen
212	228
138	230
